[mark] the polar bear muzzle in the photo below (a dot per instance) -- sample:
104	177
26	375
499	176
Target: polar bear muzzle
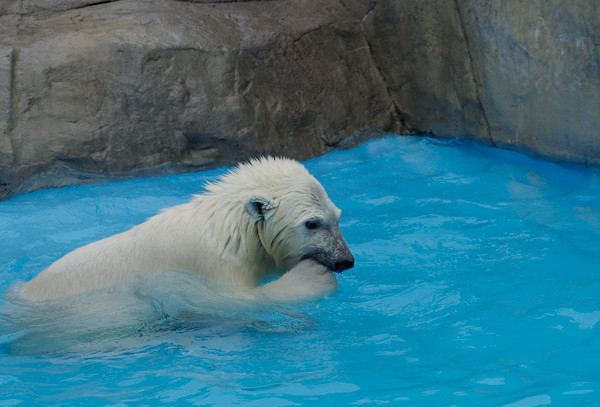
334	254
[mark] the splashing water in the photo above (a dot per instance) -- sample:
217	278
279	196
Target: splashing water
476	283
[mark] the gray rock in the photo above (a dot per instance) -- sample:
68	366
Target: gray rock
130	87
519	75
40	8
538	66
97	89
422	52
7	171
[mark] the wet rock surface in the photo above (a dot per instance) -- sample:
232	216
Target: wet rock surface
519	75
95	90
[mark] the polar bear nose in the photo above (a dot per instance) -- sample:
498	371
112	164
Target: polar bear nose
344	264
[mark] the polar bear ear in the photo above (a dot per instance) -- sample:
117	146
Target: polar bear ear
259	208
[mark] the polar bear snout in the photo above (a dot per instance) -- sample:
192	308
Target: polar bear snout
341	257
338	264
344	264
343	260
338	260
328	247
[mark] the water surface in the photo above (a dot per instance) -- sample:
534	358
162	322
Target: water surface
476	283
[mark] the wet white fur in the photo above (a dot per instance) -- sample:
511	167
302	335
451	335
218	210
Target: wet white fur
214	235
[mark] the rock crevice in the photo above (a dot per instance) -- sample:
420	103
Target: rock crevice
472	69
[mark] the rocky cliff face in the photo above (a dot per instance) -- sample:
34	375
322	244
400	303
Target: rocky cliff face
515	74
129	87
537	66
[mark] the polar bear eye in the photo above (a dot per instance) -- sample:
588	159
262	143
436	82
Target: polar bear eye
311	224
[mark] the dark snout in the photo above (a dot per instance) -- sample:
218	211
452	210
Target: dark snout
336	255
332	262
342	257
344	264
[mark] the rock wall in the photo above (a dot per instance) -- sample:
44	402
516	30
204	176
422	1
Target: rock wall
137	87
515	74
94	89
538	66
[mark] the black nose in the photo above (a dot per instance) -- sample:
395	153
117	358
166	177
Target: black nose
344	264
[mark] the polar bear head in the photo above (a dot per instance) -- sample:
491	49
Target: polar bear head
290	213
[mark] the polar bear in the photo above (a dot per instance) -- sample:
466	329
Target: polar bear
264	219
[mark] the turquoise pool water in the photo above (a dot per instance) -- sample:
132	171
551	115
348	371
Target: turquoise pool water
477	282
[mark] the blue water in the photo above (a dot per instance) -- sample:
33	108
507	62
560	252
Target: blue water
477	282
